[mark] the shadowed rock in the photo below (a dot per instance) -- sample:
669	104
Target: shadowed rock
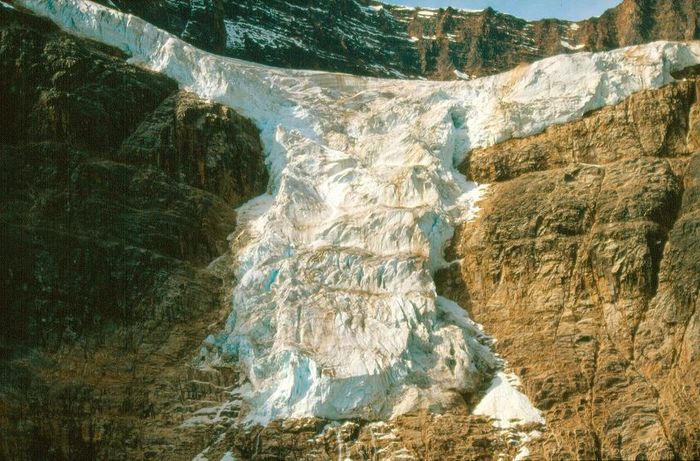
105	294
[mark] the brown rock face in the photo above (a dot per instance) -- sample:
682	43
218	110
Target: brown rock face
420	436
105	293
588	276
642	20
667	347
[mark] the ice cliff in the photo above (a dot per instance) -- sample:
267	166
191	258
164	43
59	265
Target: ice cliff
335	313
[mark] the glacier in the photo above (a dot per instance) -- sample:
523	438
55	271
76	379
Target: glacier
335	313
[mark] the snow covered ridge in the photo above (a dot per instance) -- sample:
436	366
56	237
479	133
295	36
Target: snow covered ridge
335	313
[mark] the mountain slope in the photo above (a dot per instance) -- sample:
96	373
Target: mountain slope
360	211
369	38
340	305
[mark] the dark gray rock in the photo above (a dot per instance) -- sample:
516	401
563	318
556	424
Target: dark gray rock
208	146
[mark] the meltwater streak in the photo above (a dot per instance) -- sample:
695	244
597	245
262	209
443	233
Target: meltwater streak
335	314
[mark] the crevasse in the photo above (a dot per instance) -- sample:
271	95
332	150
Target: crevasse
335	313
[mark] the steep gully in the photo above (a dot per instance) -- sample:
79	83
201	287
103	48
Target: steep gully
444	121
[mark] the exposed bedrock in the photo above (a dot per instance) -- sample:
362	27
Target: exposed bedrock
204	145
200	22
584	263
655	123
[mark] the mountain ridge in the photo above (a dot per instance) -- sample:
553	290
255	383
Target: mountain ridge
370	38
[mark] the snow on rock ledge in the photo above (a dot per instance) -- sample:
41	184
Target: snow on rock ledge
335	313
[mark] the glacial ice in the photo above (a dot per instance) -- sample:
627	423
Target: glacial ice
335	313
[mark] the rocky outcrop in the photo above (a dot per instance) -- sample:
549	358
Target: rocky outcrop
200	22
52	87
206	146
420	436
655	123
365	37
634	21
667	343
106	286
583	263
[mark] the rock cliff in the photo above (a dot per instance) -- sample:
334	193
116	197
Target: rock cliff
200	22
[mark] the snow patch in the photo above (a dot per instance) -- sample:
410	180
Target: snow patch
505	403
569	46
462	75
238	31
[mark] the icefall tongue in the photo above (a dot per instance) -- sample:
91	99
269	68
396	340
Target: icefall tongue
336	313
